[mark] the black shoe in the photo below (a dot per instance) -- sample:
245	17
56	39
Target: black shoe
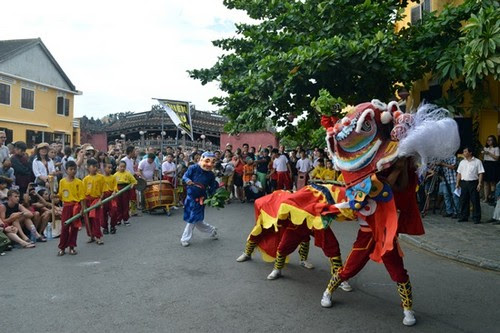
463	220
105	231
447	215
477	221
113	231
454	216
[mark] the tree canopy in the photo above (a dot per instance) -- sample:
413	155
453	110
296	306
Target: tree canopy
274	68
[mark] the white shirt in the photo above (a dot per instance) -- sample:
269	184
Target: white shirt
279	164
130	164
168	167
493	150
470	170
40	170
255	187
304	165
148	169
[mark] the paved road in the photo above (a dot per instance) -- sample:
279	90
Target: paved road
142	280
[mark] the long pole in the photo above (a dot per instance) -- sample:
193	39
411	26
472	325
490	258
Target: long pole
85	211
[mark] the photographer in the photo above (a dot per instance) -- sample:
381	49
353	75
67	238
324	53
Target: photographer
447	169
253	189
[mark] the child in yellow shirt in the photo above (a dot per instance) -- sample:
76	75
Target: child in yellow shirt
124	178
109	208
329	173
316	172
71	192
94	189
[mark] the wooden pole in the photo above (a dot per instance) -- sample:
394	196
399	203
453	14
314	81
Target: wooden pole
85	211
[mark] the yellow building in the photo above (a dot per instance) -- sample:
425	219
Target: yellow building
36	96
430	89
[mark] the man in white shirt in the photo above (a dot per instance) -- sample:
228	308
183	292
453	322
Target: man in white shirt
4	151
130	159
168	168
470	179
147	168
304	166
283	171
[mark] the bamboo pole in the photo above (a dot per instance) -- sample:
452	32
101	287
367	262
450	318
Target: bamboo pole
77	216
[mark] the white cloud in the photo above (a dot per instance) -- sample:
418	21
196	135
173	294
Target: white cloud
123	53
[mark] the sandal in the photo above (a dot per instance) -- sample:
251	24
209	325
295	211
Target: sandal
91	240
73	252
99	242
28	245
61	253
41	239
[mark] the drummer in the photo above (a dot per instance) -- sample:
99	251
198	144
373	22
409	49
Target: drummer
169	168
147	168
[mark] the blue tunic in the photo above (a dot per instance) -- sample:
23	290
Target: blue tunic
193	210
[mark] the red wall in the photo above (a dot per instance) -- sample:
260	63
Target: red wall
98	140
252	138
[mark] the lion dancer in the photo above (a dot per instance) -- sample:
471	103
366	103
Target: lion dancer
200	181
366	244
286	220
375	145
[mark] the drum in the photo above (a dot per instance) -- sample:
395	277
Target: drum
159	194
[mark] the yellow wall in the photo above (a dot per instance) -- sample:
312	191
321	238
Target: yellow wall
489	116
44	117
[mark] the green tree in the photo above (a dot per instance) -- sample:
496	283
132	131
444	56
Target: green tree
274	68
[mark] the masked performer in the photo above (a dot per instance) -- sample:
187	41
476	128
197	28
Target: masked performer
200	181
284	220
376	146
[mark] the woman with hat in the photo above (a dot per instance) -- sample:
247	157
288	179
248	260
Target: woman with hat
42	166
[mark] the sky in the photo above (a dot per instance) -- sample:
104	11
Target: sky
121	54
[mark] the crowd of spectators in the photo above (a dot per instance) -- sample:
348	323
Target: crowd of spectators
28	180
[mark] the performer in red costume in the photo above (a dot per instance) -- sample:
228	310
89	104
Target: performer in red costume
381	182
284	220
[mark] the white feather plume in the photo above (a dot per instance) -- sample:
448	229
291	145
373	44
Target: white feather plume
433	136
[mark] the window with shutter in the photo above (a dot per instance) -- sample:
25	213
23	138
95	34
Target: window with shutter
27	99
426	6
415	14
66	107
4	94
60	106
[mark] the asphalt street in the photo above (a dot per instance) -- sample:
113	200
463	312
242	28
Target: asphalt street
143	280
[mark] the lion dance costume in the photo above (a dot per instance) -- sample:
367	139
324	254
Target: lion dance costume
377	148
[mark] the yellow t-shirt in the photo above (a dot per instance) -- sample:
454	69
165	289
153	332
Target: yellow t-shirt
316	173
125	178
110	183
94	185
328	174
71	191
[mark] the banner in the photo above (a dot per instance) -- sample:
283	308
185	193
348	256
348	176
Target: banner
180	114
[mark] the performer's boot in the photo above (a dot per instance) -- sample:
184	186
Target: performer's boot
279	263
336	266
247	255
404	291
326	300
303	254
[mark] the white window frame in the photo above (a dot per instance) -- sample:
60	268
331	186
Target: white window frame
10	93
21	98
63	96
420	7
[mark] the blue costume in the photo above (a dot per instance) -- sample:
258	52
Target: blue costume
204	182
200	181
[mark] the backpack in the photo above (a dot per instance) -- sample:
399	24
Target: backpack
4	241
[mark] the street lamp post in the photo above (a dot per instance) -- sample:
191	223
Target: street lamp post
122	136
203	141
183	139
142	138
162	138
